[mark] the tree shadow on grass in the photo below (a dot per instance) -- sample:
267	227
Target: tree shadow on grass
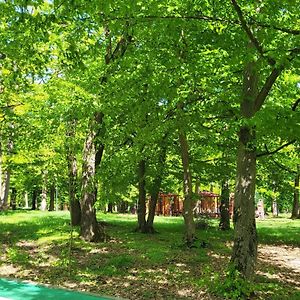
275	281
33	230
279	236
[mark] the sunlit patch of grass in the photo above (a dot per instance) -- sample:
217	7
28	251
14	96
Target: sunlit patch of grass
45	239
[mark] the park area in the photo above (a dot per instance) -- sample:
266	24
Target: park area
149	149
37	247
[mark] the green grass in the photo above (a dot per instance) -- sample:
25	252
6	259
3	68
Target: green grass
279	231
35	245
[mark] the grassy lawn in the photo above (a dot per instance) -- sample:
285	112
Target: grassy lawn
36	246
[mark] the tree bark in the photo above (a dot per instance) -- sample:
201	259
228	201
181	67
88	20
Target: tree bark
244	253
141	207
149	228
156	188
245	237
43	206
52	198
75	209
5	189
99	144
188	204
275	208
6	184
295	210
34	199
110	207
26	200
90	230
224	207
13	199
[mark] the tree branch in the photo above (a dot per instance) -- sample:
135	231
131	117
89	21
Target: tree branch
283	167
267	152
250	34
261	97
248	31
282	29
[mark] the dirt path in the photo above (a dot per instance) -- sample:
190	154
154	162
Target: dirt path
281	263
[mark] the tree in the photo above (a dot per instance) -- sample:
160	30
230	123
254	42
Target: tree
254	96
296	204
75	209
156	184
224	206
90	230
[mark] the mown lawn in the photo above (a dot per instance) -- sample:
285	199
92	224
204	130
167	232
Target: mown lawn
36	246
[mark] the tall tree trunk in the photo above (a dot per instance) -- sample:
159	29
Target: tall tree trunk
6	183
10	146
224	206
5	189
34	199
156	187
295	211
152	205
244	252
99	144
89	227
245	237
110	207
90	230
52	198
75	209
188	204
13	199
275	208
26	200
141	208
43	206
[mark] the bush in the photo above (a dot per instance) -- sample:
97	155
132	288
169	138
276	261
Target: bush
232	285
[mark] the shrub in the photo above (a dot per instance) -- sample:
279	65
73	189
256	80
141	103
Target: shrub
232	285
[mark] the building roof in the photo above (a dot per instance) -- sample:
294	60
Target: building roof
209	194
